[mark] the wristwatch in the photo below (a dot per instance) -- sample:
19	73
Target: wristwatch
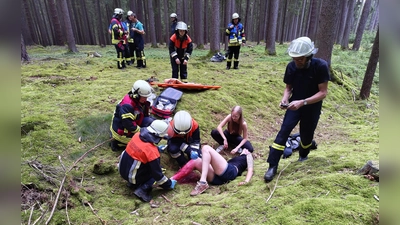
304	102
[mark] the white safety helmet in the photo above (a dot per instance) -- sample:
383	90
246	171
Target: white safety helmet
182	122
142	88
118	11
129	13
235	16
158	127
181	26
173	15
302	46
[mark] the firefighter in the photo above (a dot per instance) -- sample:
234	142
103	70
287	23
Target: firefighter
180	49
237	37
184	137
306	80
131	113
140	163
138	45
174	21
118	37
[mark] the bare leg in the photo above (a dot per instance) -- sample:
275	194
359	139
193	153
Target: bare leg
212	163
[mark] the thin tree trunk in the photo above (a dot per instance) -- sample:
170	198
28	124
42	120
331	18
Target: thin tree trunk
26	30
272	23
206	21
59	40
361	25
283	22
343	20
24	53
151	26
100	34
228	14
215	26
349	22
371	68
68	26
312	30
159	32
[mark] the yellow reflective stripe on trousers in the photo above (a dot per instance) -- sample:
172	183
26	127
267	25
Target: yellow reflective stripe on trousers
278	147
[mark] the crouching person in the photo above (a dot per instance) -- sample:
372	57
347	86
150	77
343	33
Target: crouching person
140	162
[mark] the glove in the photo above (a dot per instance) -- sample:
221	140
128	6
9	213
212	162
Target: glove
161	148
194	155
173	183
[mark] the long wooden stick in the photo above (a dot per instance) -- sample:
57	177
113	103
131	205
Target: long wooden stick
65	176
276	183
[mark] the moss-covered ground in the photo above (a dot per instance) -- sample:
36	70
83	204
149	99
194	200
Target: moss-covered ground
67	101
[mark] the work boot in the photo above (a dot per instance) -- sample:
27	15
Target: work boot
269	175
301	159
236	65
143	191
303	153
228	65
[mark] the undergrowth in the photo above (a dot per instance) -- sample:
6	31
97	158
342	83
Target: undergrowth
67	101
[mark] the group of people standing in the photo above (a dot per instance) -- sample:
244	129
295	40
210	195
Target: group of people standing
136	133
127	37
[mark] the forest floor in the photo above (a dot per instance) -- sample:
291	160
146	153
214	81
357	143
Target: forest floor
67	101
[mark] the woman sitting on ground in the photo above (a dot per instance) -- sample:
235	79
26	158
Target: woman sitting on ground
236	127
215	169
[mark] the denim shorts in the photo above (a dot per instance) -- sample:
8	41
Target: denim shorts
230	173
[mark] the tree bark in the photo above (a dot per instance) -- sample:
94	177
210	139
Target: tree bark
151	26
325	33
68	27
214	36
228	17
343	20
312	30
198	22
272	23
361	25
349	22
26	24
100	34
24	54
371	68
59	40
283	13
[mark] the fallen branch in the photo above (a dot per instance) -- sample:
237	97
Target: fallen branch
276	183
94	212
65	176
166	198
66	209
197	203
30	216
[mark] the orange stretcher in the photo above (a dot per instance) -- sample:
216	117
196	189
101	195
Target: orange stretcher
175	83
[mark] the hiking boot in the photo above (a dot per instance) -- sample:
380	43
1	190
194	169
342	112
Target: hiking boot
142	194
228	67
219	149
200	188
269	175
301	159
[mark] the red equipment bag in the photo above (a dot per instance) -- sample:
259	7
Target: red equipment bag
165	104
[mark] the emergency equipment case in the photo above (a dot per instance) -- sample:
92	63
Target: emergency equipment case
165	104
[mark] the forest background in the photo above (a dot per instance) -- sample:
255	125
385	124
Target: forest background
290	21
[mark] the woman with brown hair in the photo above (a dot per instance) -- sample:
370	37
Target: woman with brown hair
235	134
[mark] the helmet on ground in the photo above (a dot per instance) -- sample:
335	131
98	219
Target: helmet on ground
302	46
182	122
130	13
173	15
235	16
142	88
158	127
181	26
118	11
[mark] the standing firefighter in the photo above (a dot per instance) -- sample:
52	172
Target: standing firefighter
119	37
174	21
306	80
138	45
180	49
237	37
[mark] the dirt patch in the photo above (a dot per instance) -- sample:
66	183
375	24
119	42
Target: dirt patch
31	196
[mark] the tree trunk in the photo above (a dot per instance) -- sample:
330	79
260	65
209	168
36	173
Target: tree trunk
24	54
159	32
68	26
312	30
343	18
151	26
100	28
325	34
228	18
26	29
167	22
361	25
263	21
370	72
215	27
283	22
349	22
272	23
198	22
206	21
59	40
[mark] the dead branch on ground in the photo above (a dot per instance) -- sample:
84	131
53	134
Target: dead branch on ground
276	183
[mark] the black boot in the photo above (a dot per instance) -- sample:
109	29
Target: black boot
228	65
269	175
143	191
236	65
119	65
303	153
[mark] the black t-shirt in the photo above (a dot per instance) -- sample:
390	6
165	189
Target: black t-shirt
305	81
240	162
